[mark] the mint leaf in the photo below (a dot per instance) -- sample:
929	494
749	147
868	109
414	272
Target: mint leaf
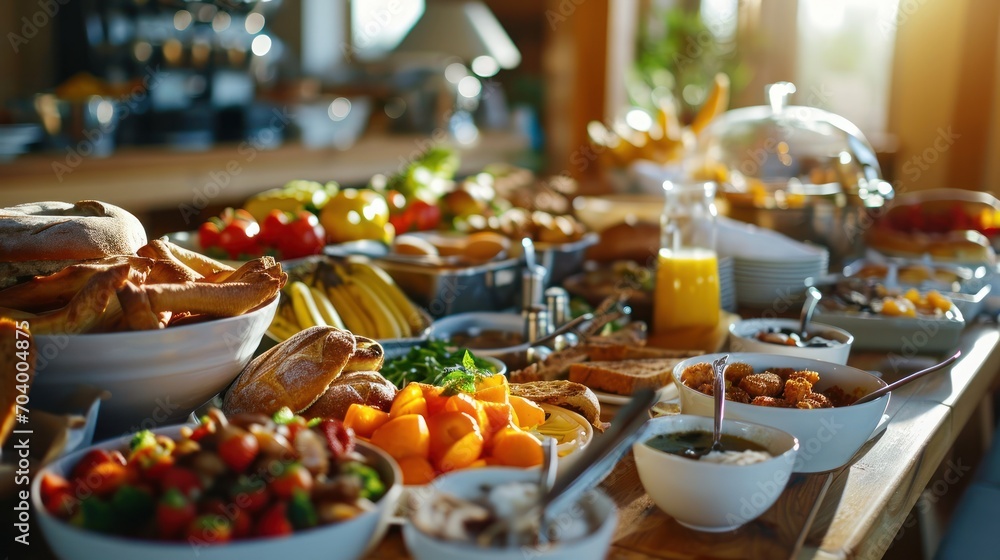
468	362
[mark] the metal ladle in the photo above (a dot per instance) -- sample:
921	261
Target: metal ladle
808	308
719	390
912	377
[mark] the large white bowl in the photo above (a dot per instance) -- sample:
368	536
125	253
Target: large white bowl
742	338
155	378
710	496
343	540
829	437
467	484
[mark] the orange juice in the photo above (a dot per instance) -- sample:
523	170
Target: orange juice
687	289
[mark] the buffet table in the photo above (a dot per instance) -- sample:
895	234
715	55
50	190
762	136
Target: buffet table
853	512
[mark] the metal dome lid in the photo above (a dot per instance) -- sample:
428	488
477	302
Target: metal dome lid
776	152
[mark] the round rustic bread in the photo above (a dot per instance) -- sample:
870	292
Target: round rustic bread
361	387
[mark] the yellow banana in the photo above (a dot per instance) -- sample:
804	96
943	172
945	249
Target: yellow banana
326	308
306	312
385	325
353	316
366	276
409	311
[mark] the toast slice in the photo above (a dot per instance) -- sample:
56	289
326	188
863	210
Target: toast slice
623	377
571	396
617	352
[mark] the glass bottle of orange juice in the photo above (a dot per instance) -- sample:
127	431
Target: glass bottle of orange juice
687	276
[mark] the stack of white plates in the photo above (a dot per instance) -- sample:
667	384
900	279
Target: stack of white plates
776	283
769	269
727	284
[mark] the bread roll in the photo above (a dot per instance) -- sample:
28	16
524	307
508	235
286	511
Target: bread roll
368	355
44	237
293	373
361	387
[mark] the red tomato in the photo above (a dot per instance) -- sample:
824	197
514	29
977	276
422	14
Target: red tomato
52	483
61	504
237	448
305	236
96	457
339	438
208	233
273	228
174	513
293	477
426	216
274	522
184	480
250	494
102	479
239	239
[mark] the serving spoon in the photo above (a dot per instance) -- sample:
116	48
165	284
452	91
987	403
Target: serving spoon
719	391
808	308
912	377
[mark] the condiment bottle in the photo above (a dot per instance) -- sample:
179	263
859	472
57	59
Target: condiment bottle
687	276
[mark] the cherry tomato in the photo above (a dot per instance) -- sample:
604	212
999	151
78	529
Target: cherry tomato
250	494
274	522
174	513
96	457
293	477
184	480
237	448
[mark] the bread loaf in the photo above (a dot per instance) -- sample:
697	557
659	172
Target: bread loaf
361	387
294	373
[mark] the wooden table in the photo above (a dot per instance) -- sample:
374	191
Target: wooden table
853	512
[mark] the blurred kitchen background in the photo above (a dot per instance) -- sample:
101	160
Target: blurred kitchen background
155	103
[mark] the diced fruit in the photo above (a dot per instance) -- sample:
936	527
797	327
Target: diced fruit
499	415
938	301
462	453
293	476
496	393
237	448
404	436
412	406
528	413
184	480
462	402
516	448
174	513
102	479
96	457
455	440
364	419
416	470
274	522
209	529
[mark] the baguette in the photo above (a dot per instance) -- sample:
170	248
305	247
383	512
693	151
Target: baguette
571	396
624	377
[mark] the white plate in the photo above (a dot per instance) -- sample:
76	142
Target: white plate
666	393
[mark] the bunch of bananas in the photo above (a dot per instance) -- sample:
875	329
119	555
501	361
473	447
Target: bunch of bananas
354	295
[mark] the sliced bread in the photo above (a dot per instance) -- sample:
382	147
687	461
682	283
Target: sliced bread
623	377
571	396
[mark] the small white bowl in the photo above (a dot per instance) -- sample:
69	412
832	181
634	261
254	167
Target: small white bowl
156	378
743	338
467	484
475	322
714	497
829	436
350	539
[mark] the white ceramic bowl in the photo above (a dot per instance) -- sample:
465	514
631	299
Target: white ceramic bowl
343	540
155	378
829	437
467	484
713	497
743	338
